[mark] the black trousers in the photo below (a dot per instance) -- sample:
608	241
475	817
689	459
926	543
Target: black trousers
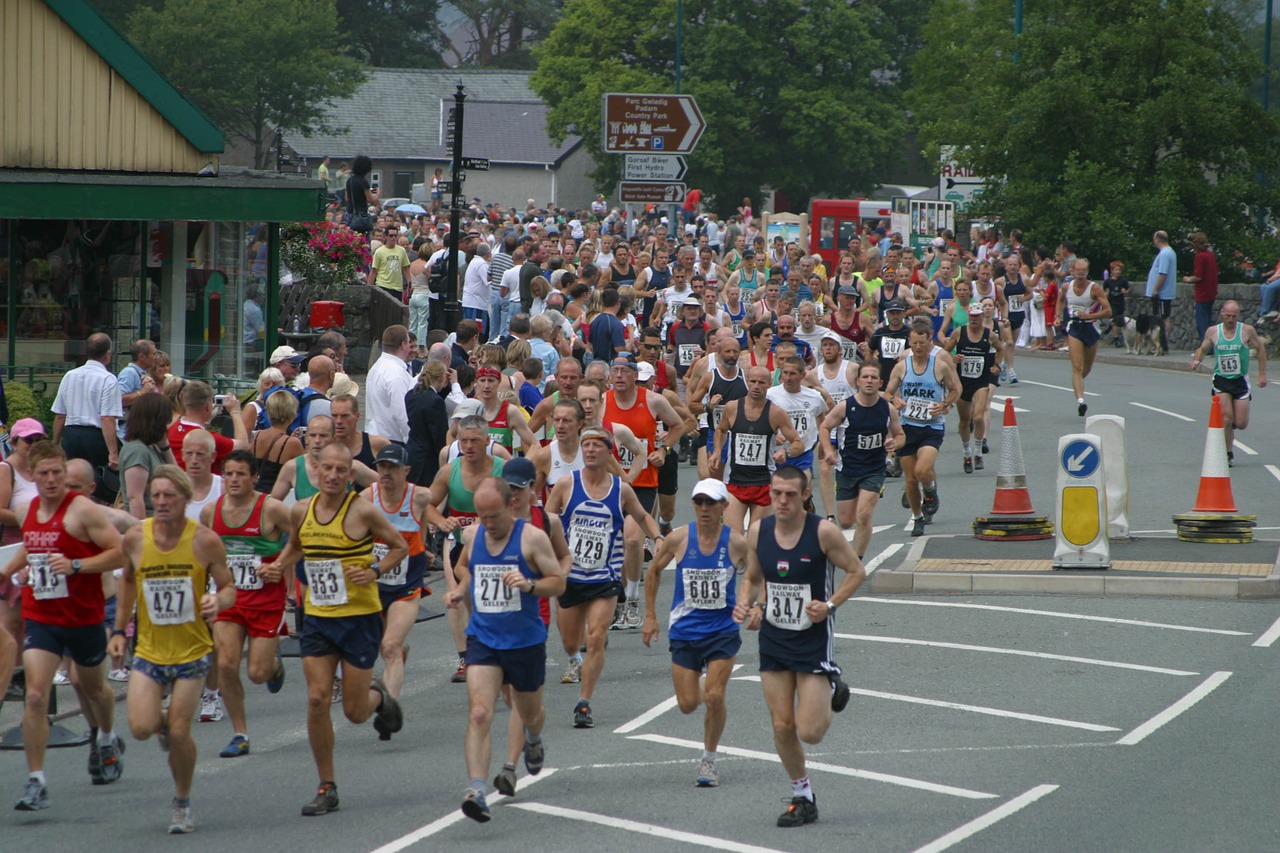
86	442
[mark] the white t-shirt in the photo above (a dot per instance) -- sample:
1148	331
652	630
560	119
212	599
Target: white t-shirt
805	408
511	281
475	287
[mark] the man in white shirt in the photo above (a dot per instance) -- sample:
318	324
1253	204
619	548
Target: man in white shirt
475	287
387	383
510	285
87	407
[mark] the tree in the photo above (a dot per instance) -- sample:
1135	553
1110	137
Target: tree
393	33
251	65
797	94
1120	117
501	30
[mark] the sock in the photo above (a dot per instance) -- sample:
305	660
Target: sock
182	802
801	788
1079	399
917	517
208	694
531	738
633	590
968	449
479	785
105	738
708	755
931	489
244	735
576	657
662	520
511	767
37	775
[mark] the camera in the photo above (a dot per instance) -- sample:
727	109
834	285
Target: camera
220	400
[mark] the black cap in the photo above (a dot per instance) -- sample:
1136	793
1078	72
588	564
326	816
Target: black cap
396	454
519	472
895	305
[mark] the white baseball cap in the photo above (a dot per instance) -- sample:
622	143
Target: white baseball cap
711	488
646	372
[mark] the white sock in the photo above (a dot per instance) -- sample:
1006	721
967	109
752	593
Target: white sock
1080	399
633	590
801	788
968	448
38	775
105	737
708	755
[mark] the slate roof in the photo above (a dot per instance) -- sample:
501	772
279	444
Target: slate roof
399	114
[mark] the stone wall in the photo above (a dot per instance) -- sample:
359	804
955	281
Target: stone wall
367	310
1184	313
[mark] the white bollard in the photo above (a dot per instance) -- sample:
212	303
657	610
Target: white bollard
1110	429
1081	529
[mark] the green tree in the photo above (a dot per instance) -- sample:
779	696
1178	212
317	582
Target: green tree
798	94
393	33
252	65
1120	117
503	30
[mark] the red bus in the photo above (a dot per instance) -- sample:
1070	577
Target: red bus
832	222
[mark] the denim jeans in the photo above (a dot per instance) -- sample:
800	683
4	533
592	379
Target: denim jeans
420	316
1204	319
1270	298
498	314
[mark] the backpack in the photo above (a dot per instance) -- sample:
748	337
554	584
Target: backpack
436	281
305	396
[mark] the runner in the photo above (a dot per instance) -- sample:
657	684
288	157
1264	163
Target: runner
923	388
364	447
198	449
563	454
839	378
890	340
173	559
505	420
454	487
251	526
1015	293
724	380
733	313
506	566
400	585
746	428
852	325
789	560
805	407
67	543
592	504
869	430
343	613
1083	303
976	349
1231	341
703	635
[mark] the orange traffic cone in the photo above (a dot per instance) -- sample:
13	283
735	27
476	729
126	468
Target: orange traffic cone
1012	497
1215	478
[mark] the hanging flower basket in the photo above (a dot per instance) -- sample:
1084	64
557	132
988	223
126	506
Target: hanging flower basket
323	254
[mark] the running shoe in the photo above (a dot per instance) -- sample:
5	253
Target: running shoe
534	755
1004	373
210	708
931	504
389	712
986	448
582	716
572	673
968	464
61	678
35	798
893	468
1013	376
326	800
239	746
917	527
95	759
474	806
839	694
505	782
664	527
112	766
707	777
121	674
181	823
978	464
619	618
801	810
460	674
1081	408
275	682
1231	459
631	613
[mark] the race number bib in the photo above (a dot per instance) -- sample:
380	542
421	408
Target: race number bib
918	409
327	581
626	458
391	575
736	326
244	570
1229	363
848	350
589	546
971	366
686	354
785	605
943	305
45	583
749	449
491	594
1015	304
875	441
800	420
170	601
891	347
705	589
716	413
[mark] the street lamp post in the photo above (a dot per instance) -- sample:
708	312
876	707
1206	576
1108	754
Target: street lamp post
453	296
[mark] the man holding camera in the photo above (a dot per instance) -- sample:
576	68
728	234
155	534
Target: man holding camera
199	404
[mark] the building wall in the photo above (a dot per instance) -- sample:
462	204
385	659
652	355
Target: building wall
574	188
60	102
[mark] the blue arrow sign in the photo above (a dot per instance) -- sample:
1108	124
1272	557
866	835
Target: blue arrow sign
1080	459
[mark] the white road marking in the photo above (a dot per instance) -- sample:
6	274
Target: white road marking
1269	637
1159	670
1057	387
1240	445
662	832
997	608
1275	472
879	528
879	559
653	713
992	817
997	404
979	709
1162	411
870	775
1204	689
453	817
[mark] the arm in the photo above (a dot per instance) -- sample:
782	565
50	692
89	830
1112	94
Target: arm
135	484
664	412
282	488
1252	340
839	554
84	518
667	550
781	422
715	465
745	612
382	530
109	436
541	556
126	594
237	422
212	553
439	493
60	424
460	578
515	416
833	419
559	495
631	507
949	381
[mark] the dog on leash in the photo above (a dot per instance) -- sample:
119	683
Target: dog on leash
1142	335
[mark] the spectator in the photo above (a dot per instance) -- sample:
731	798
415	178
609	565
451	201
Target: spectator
286	359
268	379
135	379
254	322
428	422
1162	285
197	412
388	381
86	409
17	488
542	343
162	366
146	447
1205	278
391	264
606	335
475	288
360	195
274	446
420	295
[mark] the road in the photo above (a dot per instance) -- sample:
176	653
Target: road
1008	723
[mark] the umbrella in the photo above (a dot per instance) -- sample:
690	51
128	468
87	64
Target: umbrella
411	208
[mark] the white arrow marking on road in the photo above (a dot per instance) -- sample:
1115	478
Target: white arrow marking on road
1162	411
994	816
664	832
884	555
980	709
1204	689
1075	464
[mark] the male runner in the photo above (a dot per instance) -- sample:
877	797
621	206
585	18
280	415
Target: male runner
976	349
251	526
704	638
789	560
505	567
173	559
721	381
505	419
343	613
869	429
838	377
887	345
805	407
923	388
747	427
67	543
198	449
364	446
1231	341
592	505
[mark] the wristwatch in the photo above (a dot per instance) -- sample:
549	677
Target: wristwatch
376	569
831	607
75	567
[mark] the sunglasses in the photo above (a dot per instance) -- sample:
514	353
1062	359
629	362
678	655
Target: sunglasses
705	501
32	439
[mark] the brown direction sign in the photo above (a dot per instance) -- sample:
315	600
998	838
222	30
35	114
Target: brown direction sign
643	193
667	124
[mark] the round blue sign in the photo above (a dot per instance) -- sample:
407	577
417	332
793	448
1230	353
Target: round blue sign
1080	458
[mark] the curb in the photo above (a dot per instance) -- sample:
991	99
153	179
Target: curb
1176	361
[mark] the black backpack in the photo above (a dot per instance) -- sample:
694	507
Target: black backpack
436	280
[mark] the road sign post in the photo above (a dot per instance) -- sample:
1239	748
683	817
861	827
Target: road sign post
645	193
662	168
1110	429
1082	505
638	122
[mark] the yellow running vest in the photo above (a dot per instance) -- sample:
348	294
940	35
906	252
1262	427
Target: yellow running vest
170	585
328	552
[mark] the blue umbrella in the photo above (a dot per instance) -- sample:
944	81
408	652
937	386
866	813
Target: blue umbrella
411	208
